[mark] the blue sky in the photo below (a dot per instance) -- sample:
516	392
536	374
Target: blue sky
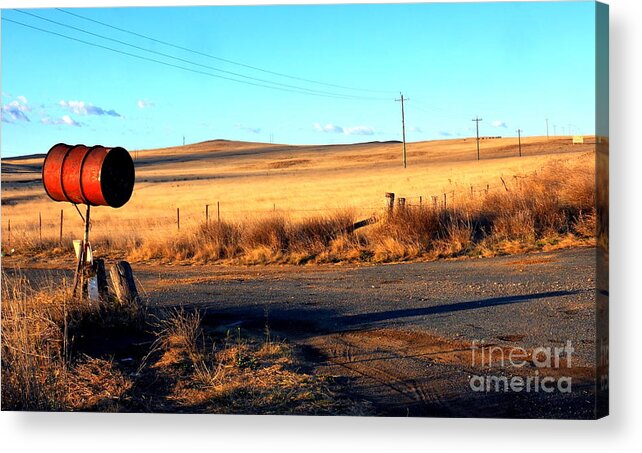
513	64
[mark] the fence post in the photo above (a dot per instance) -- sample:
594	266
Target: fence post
487	188
420	200
401	203
390	199
444	201
9	228
207	214
434	202
472	193
40	225
218	212
178	219
61	219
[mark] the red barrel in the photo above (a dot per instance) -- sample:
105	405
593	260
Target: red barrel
97	176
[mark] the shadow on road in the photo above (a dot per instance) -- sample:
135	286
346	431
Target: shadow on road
366	318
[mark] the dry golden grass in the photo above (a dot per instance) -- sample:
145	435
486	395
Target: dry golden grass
46	365
549	209
255	181
553	207
41	368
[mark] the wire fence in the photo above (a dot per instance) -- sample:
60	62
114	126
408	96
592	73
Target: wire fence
65	224
61	226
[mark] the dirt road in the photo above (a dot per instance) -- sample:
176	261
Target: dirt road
402	335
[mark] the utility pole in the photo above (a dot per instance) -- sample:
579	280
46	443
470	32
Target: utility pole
546	128
183	140
519	141
477	120
403	128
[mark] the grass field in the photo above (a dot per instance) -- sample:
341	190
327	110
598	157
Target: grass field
257	182
279	204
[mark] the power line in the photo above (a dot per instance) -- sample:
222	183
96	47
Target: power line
164	63
218	58
189	61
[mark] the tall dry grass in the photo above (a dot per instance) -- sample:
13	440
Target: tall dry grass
54	360
552	208
42	368
254	241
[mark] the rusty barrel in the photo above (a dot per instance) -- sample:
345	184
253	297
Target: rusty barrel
96	175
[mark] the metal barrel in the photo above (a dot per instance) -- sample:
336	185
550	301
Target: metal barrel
96	175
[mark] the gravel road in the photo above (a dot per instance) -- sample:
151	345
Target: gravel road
544	298
387	332
393	334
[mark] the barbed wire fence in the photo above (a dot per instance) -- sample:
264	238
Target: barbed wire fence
61	226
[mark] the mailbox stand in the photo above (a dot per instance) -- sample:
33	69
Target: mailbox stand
93	176
81	268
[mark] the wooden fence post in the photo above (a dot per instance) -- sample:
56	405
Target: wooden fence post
401	203
390	199
40	225
444	201
434	202
178	219
420	200
61	219
207	215
218	212
9	228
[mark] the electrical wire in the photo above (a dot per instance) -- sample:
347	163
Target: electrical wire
347	96
196	71
280	74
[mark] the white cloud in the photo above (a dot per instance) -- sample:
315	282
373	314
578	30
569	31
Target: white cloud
84	108
332	128
16	110
415	129
335	129
65	119
253	130
359	130
69	120
143	104
498	123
